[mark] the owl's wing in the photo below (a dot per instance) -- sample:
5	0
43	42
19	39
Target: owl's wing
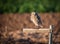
39	19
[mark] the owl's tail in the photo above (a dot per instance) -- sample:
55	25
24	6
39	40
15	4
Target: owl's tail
41	26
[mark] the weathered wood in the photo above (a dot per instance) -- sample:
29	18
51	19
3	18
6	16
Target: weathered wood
41	36
37	35
50	34
30	30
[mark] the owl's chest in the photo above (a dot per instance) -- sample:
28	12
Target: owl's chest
33	17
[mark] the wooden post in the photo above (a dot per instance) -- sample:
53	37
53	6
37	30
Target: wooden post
50	34
30	30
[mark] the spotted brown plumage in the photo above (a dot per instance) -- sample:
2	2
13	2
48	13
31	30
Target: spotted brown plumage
35	18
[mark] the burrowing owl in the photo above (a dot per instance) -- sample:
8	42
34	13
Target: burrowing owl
36	19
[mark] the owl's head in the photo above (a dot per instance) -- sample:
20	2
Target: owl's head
32	13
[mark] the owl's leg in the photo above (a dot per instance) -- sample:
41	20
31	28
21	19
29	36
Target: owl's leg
37	27
41	26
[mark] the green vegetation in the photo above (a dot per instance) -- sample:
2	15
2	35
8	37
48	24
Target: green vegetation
21	6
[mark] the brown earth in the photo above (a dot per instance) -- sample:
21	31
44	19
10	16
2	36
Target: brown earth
11	26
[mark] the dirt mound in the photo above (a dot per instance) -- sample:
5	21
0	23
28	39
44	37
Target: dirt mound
16	22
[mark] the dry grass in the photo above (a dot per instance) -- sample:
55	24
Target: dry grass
11	27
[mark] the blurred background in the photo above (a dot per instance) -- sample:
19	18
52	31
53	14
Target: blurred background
21	6
12	21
